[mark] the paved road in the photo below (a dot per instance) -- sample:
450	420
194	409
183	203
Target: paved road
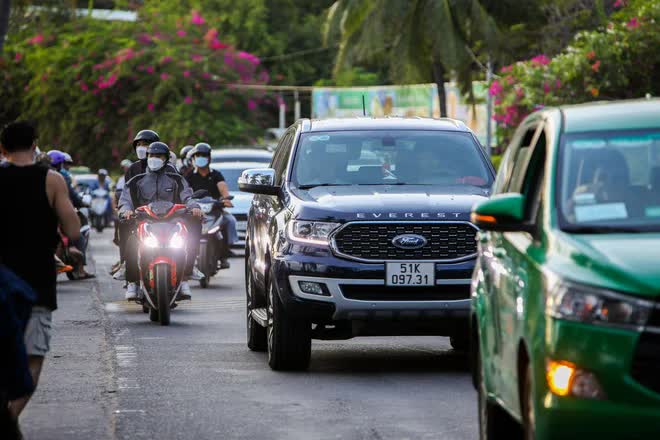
114	374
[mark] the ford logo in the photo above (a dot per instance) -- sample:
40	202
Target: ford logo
409	241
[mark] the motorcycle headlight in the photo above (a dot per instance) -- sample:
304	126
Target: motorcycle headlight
151	241
311	232
206	207
177	242
581	303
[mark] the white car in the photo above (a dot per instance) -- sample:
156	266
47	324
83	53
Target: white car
242	201
225	155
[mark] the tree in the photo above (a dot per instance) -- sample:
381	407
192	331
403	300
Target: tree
421	40
5	8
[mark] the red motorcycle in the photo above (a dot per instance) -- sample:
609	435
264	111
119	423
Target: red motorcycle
162	256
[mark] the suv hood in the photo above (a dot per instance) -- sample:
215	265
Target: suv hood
387	203
626	262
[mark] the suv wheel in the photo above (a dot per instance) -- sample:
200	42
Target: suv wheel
494	423
256	334
289	339
459	343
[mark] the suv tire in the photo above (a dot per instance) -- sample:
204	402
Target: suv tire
289	339
257	338
460	343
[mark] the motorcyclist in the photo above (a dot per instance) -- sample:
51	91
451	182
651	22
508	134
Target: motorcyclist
185	167
140	144
68	162
158	183
103	182
121	182
203	177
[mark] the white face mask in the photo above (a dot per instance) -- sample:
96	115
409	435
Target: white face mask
201	161
141	152
155	163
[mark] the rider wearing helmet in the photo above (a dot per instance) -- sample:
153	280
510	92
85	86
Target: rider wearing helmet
203	177
57	160
159	183
103	182
185	167
140	144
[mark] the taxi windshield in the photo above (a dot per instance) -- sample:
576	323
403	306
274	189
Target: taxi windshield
610	181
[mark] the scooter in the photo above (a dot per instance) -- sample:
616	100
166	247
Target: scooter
99	209
211	238
162	255
73	256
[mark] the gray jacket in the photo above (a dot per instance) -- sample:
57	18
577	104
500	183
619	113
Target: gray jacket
161	185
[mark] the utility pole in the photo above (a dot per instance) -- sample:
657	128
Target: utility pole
489	108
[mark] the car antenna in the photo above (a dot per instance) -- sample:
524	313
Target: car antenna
364	107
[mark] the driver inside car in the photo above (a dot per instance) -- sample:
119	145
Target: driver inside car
158	183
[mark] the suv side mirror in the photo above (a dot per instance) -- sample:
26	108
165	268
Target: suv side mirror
501	213
259	181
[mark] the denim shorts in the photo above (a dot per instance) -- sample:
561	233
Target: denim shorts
39	331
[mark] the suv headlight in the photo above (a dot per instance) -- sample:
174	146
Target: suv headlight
582	303
311	232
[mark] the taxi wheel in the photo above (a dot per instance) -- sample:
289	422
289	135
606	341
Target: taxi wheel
527	403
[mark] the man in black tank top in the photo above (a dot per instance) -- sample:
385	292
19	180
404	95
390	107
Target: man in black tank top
28	247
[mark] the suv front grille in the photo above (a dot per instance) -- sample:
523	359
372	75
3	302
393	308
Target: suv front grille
448	241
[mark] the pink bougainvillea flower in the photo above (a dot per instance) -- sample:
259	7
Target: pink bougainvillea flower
595	66
151	106
506	69
166	59
229	60
196	57
594	91
164	76
37	39
633	23
540	60
186	73
591	55
253	59
211	35
206	75
217	44
558	83
546	88
196	18
18	57
84	87
619	3
252	104
188	99
495	88
144	39
149	69
181	33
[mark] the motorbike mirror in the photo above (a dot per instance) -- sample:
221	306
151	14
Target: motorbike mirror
200	193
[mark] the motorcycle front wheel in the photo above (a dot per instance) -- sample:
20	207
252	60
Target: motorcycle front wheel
162	287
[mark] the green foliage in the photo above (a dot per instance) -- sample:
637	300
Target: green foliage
618	61
356	76
90	94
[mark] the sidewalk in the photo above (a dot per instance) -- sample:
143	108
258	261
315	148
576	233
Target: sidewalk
74	399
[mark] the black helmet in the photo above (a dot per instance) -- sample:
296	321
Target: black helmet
146	135
159	148
185	150
202	148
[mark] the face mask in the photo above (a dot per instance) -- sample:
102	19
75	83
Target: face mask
141	152
155	163
201	161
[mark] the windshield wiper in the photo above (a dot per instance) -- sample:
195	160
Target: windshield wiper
314	185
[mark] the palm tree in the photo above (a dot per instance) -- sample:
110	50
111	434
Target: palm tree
420	39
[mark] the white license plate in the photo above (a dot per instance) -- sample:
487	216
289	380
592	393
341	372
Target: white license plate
242	225
410	274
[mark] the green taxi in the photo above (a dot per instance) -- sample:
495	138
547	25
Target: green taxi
565	319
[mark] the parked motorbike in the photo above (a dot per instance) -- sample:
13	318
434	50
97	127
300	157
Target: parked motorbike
99	207
162	255
211	238
71	255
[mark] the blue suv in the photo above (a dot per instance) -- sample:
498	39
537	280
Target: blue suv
361	227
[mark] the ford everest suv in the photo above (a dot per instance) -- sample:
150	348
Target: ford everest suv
361	227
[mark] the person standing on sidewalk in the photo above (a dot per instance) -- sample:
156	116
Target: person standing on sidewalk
36	200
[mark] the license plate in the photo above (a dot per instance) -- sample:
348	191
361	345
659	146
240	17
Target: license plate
242	225
410	274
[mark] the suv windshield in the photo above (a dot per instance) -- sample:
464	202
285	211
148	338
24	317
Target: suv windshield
610	181
392	157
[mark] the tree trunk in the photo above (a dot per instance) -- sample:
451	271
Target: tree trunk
5	6
439	79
